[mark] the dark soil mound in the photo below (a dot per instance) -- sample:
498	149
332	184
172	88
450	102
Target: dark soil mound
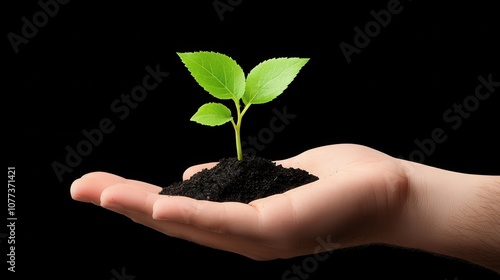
241	181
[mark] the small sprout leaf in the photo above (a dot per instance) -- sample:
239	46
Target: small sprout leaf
270	78
212	114
217	73
224	79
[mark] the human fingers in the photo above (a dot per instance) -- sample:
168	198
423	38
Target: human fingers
90	186
135	200
130	197
232	218
251	248
139	205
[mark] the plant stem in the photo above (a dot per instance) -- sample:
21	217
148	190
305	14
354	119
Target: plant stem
239	151
237	128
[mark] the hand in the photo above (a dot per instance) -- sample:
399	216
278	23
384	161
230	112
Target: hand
357	199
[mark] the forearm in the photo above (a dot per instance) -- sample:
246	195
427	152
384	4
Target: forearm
452	214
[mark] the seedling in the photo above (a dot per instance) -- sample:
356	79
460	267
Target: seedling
224	79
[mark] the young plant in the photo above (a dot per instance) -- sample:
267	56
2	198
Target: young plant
224	79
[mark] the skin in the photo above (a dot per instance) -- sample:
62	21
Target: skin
363	196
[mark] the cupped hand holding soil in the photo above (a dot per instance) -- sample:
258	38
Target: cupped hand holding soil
354	201
362	196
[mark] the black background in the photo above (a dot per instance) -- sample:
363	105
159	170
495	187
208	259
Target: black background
64	79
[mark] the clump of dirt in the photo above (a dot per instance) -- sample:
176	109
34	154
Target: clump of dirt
240	180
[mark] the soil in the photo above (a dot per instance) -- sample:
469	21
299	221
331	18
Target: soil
240	180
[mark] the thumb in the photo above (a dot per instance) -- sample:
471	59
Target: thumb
197	168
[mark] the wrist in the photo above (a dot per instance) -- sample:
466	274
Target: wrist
450	213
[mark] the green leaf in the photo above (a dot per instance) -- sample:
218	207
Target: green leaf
217	73
212	114
270	78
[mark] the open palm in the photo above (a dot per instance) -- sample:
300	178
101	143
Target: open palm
356	200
